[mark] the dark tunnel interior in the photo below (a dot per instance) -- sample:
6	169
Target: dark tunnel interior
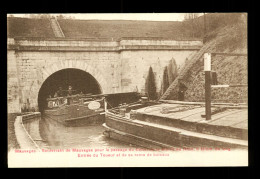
80	81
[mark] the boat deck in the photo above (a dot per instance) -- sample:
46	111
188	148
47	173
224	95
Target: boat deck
228	122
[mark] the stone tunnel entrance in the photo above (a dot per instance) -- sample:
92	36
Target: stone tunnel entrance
78	79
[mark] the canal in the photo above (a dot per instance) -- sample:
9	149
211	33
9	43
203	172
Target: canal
56	135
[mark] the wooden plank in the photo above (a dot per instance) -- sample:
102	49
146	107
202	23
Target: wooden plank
219	115
219	86
227	121
155	109
182	114
148	109
242	125
194	118
198	103
231	119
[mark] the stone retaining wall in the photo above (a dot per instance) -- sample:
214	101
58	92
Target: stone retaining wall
23	138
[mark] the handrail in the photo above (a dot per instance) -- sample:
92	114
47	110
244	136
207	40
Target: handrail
229	86
74	96
229	54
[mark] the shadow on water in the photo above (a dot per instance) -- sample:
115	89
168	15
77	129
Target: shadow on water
90	136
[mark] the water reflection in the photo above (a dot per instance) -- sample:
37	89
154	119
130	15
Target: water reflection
91	136
32	127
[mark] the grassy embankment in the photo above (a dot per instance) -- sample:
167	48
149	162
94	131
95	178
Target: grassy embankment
24	27
116	29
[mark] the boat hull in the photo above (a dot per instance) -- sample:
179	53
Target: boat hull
76	115
154	136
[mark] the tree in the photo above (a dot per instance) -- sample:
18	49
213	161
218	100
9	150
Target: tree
40	16
60	16
172	70
190	17
165	84
150	85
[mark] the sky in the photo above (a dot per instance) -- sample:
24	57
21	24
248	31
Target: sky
124	16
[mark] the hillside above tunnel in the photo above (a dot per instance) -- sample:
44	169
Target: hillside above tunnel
112	29
25	27
118	29
231	38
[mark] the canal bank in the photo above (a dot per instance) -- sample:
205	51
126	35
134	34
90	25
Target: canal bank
27	135
23	131
12	141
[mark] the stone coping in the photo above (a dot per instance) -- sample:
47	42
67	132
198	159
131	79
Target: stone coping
23	137
60	44
101	48
105	39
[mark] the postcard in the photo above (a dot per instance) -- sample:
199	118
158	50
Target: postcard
127	90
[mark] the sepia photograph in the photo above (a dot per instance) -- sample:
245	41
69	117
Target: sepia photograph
127	90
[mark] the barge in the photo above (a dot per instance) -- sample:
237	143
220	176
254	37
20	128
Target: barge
76	110
171	124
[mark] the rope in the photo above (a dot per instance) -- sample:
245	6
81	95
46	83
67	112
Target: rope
109	105
181	108
119	106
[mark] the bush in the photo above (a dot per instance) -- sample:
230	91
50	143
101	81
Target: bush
172	70
165	84
151	87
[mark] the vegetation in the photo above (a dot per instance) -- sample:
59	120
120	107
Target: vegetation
228	34
47	16
193	26
150	85
172	70
165	83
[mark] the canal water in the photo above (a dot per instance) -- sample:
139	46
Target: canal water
58	136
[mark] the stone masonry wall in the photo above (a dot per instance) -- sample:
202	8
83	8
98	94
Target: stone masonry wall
135	66
117	67
13	84
33	65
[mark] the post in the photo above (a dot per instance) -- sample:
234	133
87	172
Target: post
204	24
105	104
207	69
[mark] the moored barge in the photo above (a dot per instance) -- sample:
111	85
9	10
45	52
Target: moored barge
76	110
178	124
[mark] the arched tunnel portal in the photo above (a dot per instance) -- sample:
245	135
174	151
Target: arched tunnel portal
80	80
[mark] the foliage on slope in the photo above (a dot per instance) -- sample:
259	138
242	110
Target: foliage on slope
213	22
231	38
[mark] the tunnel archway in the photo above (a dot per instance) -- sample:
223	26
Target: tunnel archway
80	80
